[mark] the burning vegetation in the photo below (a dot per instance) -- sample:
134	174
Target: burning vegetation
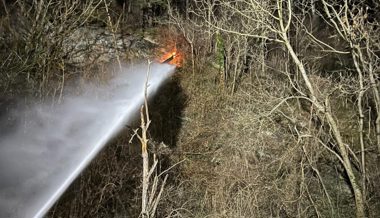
172	56
281	117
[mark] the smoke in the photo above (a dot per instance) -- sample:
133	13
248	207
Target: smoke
42	153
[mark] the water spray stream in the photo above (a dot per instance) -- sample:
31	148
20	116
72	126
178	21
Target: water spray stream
42	153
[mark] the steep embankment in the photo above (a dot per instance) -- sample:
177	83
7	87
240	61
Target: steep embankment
242	158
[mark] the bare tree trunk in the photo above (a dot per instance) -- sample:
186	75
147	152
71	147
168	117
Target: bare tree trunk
192	58
336	132
284	27
129	6
145	183
5	7
144	149
312	2
368	66
361	120
375	90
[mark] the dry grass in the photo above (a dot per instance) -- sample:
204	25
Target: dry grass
244	161
240	161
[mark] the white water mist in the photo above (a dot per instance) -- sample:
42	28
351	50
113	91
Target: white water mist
41	155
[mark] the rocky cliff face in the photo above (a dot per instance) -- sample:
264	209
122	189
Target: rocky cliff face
88	45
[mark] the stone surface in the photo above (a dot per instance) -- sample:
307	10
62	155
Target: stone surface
87	45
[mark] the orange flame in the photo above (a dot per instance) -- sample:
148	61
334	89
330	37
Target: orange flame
175	56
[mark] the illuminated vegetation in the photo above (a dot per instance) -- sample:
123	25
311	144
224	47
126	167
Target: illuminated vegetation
274	112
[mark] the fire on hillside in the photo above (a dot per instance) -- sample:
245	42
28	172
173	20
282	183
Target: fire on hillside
173	57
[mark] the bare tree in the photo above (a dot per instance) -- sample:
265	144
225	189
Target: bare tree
243	20
151	190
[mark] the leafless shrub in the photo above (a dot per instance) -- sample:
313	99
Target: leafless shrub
35	41
317	97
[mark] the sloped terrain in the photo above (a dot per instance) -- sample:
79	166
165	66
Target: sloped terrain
235	129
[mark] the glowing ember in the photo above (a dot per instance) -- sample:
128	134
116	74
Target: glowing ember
173	57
